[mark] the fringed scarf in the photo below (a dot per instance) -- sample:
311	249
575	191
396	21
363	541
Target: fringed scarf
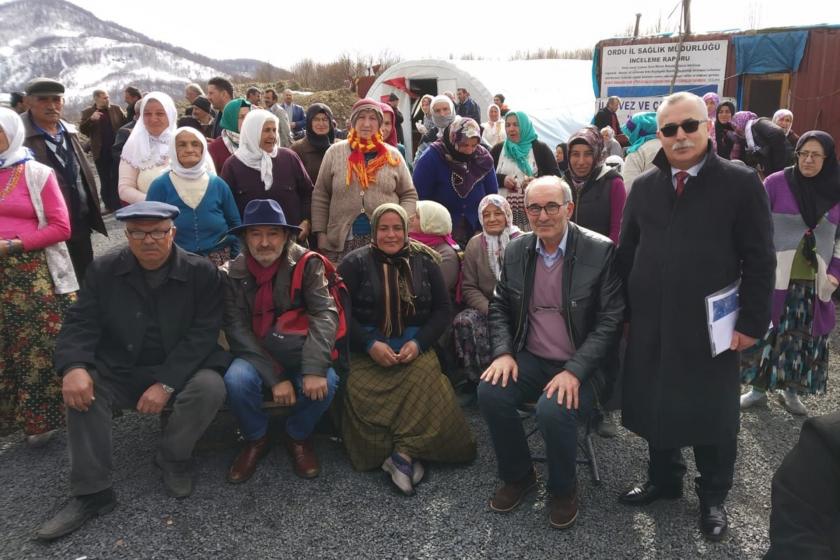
262	315
364	171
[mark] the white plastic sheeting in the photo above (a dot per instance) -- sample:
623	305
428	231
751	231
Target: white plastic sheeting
556	94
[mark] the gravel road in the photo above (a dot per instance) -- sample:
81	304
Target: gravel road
345	514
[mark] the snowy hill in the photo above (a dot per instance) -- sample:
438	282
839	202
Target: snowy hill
57	39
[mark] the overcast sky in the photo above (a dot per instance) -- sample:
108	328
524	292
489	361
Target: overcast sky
285	32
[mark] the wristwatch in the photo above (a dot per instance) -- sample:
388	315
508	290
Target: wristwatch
169	390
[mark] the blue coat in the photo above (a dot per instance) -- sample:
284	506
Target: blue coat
433	181
201	229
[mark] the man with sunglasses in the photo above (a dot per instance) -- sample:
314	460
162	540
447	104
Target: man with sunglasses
694	224
142	335
554	320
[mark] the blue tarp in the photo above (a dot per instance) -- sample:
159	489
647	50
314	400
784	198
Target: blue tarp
596	83
769	52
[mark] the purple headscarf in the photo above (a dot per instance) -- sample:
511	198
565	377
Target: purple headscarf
740	120
713	110
590	136
467	169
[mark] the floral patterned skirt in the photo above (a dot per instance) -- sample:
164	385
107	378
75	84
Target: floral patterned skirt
789	356
472	342
31	314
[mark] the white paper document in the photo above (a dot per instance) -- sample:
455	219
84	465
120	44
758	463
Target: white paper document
721	314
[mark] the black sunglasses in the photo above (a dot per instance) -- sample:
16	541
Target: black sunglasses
689	126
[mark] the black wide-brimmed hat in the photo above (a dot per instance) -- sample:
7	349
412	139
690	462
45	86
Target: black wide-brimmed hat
261	212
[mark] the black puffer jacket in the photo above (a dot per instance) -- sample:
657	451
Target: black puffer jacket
592	294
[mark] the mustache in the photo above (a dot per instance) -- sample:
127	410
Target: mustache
683	144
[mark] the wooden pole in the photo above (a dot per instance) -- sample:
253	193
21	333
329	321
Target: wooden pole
636	29
687	16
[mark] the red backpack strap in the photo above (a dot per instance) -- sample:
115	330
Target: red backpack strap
297	274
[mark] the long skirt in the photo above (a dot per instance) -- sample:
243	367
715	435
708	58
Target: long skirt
789	356
405	408
349	245
472	342
517	206
31	314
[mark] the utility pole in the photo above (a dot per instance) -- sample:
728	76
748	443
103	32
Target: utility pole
636	29
687	16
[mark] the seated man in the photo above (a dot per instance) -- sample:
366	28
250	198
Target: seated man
551	331
143	333
257	292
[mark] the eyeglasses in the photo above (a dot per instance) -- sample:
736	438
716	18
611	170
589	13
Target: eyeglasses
689	126
816	156
157	234
552	209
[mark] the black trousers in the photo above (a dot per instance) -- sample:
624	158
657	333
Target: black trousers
715	463
81	253
108	181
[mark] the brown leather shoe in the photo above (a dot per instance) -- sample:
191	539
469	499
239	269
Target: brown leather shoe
303	456
510	494
245	464
563	510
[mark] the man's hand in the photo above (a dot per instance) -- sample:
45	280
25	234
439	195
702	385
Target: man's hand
315	387
383	355
95	116
503	367
153	400
741	342
283	393
77	389
566	385
408	352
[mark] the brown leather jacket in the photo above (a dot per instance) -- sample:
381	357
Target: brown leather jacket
240	291
91	129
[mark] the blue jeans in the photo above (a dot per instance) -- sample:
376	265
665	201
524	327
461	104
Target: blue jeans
245	397
557	424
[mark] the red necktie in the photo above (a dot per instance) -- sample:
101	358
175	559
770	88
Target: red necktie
681	177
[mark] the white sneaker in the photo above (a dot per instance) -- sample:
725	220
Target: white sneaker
790	400
400	475
417	472
753	397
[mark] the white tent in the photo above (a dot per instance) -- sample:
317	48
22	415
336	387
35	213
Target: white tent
556	94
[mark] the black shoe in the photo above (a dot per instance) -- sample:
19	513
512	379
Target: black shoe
713	522
177	478
75	513
647	492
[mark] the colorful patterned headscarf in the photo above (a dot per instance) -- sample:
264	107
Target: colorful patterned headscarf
712	111
740	120
496	244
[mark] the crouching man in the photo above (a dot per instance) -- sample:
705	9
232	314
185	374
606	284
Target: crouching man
257	292
554	320
142	334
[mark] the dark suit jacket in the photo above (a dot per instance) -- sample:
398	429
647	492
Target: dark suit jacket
34	140
105	328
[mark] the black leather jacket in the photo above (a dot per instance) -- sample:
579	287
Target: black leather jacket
594	303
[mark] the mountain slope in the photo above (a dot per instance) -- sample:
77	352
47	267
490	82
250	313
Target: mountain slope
57	39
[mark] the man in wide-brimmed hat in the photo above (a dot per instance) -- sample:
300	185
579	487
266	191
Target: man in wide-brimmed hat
257	292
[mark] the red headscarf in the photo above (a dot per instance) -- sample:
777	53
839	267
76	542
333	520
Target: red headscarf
392	138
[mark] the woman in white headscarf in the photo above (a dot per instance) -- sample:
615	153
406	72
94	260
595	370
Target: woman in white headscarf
443	114
38	286
494	128
206	203
482	268
260	169
784	119
146	152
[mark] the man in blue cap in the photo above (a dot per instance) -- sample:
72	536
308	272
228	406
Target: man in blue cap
143	334
257	291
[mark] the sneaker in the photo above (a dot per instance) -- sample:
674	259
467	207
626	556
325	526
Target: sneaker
607	427
417	472
510	494
790	400
401	472
753	397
